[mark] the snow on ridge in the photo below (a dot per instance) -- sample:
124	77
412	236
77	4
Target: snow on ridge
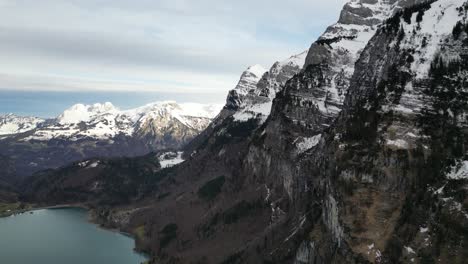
85	113
82	113
437	23
185	109
200	110
297	60
257	69
187	113
341	45
356	28
249	79
260	92
12	124
261	110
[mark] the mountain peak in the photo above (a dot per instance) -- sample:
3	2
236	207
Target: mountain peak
248	80
257	69
82	113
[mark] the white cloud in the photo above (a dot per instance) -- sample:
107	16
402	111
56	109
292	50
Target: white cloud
172	45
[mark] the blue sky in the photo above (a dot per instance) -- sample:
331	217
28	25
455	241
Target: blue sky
159	48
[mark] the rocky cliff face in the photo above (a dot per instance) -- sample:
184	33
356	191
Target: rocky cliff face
393	148
374	177
343	155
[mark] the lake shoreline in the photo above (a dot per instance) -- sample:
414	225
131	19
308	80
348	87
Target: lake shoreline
33	208
94	220
91	219
84	212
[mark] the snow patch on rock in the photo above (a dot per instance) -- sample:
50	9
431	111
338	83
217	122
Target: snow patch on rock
261	110
459	171
304	144
398	143
170	159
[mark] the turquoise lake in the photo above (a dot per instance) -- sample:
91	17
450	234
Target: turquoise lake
57	236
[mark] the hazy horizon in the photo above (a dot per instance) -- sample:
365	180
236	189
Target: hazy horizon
49	104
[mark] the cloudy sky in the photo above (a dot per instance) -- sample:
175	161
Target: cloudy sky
176	46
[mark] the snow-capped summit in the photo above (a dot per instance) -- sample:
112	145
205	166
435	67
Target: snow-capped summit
257	101
249	79
192	115
357	24
279	73
182	109
83	113
257	70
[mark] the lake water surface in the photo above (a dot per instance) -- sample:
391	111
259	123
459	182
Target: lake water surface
58	236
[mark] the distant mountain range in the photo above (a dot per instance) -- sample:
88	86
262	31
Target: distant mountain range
99	130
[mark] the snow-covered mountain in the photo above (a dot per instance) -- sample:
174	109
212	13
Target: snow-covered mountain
12	124
254	101
85	131
105	121
250	102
